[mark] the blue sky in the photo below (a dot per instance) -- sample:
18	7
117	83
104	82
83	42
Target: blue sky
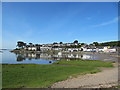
42	22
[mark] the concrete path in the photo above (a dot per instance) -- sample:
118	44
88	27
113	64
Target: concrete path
105	79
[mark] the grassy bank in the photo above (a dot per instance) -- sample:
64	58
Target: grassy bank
89	63
39	76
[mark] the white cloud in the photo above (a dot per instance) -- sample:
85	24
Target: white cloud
108	22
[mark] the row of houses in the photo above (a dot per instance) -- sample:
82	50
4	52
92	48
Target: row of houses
54	46
84	48
61	44
104	49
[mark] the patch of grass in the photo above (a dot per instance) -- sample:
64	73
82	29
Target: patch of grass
118	86
41	76
92	63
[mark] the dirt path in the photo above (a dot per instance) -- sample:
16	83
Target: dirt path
105	79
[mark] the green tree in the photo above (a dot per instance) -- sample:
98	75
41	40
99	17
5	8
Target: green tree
55	43
82	43
96	43
76	41
21	44
31	44
61	42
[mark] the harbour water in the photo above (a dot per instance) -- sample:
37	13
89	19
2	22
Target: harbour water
45	58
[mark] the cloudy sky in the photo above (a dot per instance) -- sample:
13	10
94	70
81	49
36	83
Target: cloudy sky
42	22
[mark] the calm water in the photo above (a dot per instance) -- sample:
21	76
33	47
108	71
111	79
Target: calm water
44	58
11	58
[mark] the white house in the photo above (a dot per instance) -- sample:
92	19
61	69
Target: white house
57	48
29	48
32	48
89	49
106	49
45	48
74	49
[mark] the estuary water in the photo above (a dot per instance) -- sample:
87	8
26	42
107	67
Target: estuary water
12	58
45	58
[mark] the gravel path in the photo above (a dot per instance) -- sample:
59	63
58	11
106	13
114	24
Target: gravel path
105	79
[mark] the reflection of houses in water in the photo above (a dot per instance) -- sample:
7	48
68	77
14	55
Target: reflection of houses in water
74	55
20	58
58	56
45	56
31	56
70	55
86	56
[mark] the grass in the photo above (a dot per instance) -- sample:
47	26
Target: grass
41	76
92	63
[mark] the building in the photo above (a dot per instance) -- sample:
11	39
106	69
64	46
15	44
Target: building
69	47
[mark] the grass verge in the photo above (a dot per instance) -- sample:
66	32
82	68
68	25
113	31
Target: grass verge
41	76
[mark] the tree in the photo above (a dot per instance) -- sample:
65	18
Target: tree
76	41
30	44
25	44
96	43
118	43
78	46
55	43
36	44
21	44
82	43
90	44
61	42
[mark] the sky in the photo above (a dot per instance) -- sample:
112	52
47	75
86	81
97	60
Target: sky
48	22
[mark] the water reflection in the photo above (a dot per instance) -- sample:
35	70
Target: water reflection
20	58
46	58
16	58
30	56
58	56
